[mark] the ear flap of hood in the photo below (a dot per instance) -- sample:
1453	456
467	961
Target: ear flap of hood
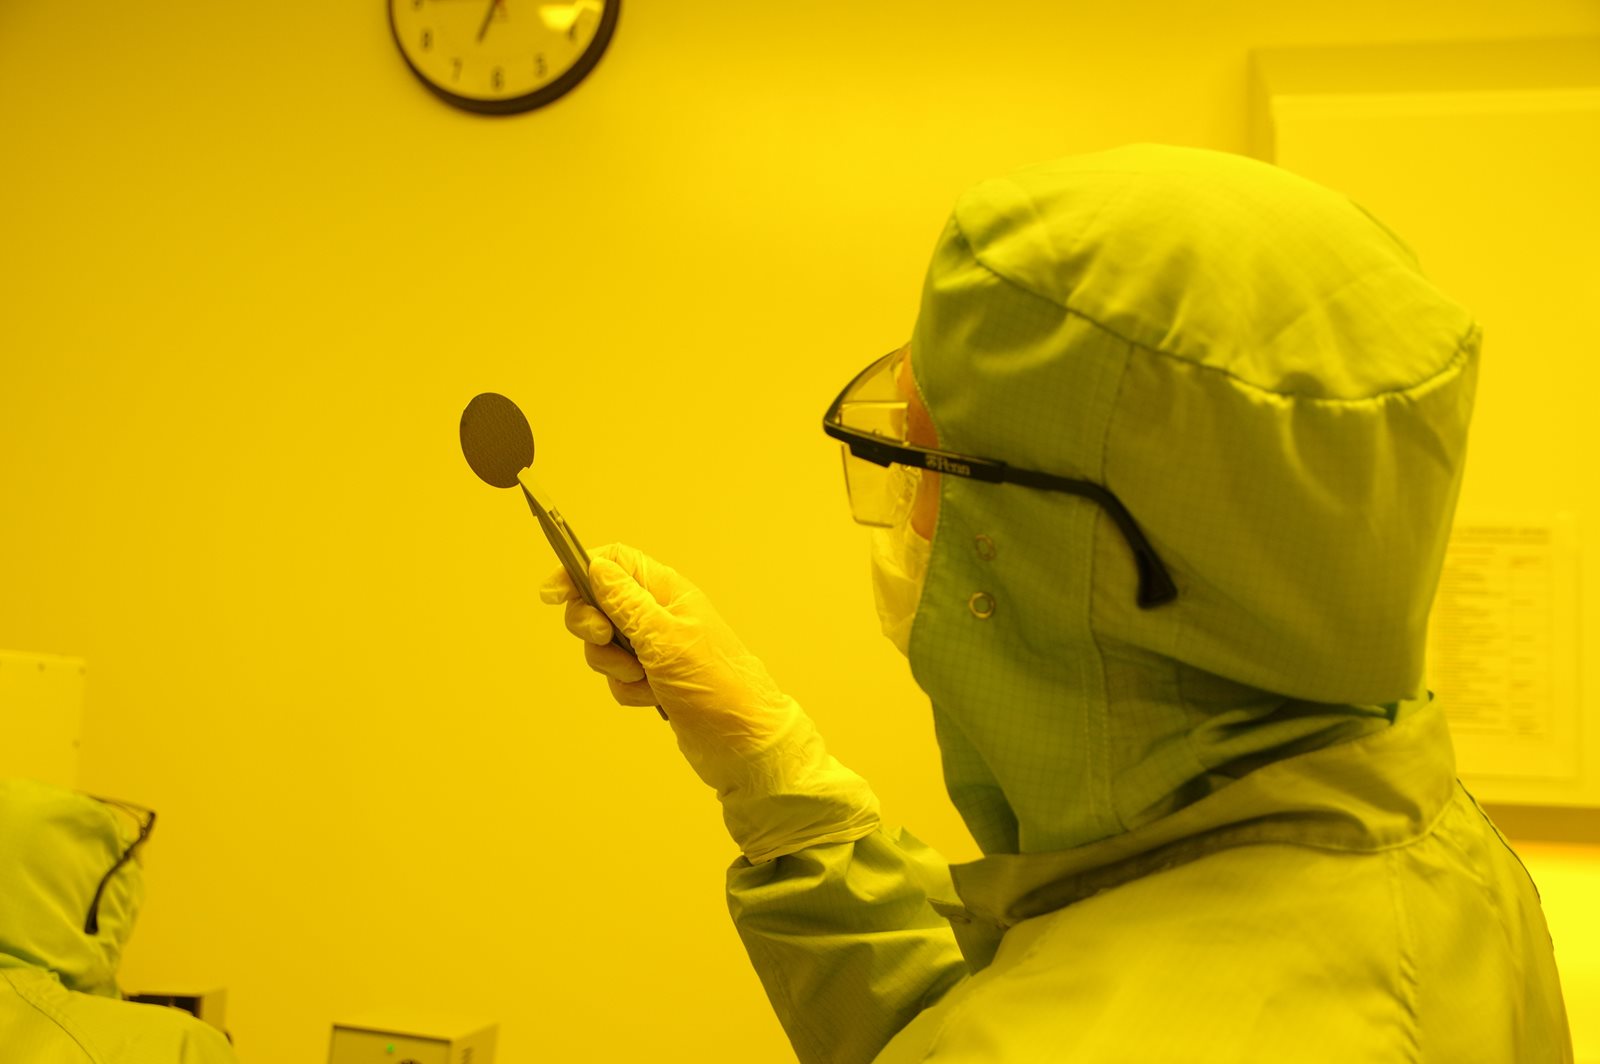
1263	376
55	845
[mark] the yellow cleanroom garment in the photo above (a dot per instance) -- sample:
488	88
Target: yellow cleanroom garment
1226	828
59	1002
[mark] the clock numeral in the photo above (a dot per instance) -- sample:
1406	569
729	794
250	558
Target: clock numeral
539	64
427	40
497	79
456	74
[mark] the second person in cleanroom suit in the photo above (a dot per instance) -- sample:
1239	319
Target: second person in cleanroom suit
1199	427
71	887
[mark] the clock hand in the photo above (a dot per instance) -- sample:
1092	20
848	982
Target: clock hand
488	18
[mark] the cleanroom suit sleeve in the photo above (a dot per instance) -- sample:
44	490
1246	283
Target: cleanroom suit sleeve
845	941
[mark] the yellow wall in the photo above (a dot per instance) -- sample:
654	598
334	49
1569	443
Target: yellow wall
252	273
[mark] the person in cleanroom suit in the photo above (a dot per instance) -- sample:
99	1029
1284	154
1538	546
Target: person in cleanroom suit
70	888
1199	427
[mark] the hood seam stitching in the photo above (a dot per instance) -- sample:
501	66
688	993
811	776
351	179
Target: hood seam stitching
51	1015
1458	355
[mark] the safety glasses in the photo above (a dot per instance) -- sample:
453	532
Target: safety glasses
872	410
146	819
870	417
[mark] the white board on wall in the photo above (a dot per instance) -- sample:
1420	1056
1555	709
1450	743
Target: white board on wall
41	716
1484	157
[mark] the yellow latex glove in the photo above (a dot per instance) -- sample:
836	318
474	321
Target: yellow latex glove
780	789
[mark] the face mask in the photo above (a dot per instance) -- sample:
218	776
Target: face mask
899	571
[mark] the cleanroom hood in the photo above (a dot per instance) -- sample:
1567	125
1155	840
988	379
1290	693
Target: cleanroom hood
1260	371
55	847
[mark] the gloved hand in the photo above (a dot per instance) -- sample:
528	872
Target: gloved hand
780	789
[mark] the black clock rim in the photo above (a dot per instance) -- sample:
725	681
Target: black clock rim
528	101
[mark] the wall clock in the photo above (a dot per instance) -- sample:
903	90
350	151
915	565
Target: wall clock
502	56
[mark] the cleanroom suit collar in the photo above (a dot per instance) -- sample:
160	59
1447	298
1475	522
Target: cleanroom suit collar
1263	376
1378	792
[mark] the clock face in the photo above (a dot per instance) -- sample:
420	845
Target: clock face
502	56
